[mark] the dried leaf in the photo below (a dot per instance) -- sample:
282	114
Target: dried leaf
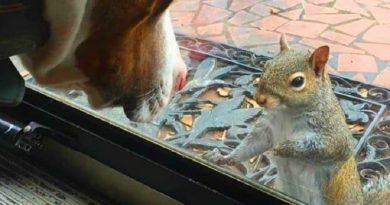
238	168
253	159
205	106
224	92
187	120
252	102
223	137
363	92
164	133
219	135
356	127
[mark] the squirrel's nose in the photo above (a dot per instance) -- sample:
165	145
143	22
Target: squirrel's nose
261	99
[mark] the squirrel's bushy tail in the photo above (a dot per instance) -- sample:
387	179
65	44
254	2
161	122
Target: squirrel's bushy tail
377	192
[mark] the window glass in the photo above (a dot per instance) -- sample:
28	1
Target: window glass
355	31
225	46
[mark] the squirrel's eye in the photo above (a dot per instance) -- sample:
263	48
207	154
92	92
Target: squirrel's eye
297	82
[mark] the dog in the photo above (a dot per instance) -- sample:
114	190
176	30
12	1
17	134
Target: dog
119	52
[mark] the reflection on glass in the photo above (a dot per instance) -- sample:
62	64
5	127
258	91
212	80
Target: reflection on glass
217	109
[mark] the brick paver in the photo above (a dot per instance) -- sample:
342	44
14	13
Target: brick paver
314	9
303	28
338	37
270	23
381	51
357	31
356	27
293	15
378	34
242	17
353	62
383	78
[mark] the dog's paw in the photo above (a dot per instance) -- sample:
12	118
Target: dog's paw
216	157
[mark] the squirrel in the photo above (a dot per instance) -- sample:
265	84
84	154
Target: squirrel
305	131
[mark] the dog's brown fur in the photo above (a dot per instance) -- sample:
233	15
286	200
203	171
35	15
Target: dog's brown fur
120	52
106	57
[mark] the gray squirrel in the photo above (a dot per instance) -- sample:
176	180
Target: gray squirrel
306	133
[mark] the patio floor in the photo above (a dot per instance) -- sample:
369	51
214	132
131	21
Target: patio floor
357	31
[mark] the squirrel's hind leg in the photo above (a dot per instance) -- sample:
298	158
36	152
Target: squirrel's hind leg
377	191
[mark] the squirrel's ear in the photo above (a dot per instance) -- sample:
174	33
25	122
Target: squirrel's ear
283	43
318	59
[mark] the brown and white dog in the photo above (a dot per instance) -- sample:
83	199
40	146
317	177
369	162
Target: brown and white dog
119	52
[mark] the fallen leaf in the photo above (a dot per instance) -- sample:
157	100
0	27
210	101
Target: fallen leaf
356	127
238	168
253	160
205	106
187	120
223	137
252	102
224	92
363	92
217	134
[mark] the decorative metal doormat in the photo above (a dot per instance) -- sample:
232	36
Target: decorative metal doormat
216	110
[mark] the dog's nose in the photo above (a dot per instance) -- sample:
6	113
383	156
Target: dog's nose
180	80
261	99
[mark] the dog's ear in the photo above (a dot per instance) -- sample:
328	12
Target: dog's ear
129	13
159	6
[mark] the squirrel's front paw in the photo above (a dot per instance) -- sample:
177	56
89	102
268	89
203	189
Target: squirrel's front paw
283	150
280	151
216	157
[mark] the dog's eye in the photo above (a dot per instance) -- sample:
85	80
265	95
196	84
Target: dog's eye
297	81
113	68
